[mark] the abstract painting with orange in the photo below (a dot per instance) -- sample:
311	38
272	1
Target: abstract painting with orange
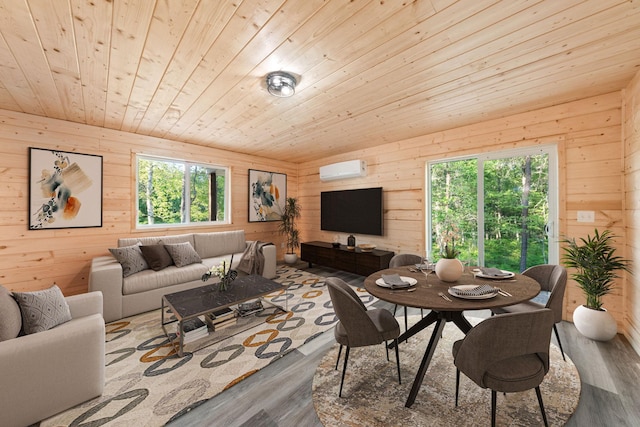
63	189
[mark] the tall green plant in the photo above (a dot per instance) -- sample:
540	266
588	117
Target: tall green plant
595	264
288	224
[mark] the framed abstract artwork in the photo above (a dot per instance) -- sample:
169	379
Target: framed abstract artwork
65	189
267	195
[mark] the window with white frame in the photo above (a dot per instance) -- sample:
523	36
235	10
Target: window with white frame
499	208
177	192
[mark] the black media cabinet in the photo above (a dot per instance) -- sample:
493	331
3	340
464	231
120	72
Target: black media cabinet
351	260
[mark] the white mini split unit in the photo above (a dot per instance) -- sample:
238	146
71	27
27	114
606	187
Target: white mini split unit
342	170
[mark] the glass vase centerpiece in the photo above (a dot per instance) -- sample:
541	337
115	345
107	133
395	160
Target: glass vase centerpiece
224	272
449	268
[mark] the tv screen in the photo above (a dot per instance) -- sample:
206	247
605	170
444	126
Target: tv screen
352	211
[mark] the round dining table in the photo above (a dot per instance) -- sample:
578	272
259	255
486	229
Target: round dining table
433	294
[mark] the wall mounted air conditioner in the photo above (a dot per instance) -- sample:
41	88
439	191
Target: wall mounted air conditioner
342	170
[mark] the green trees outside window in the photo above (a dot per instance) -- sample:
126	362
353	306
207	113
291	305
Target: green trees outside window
176	192
498	206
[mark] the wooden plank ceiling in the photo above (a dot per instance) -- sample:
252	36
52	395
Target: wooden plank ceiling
369	72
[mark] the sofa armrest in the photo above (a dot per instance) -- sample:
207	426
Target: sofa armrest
270	255
106	276
85	304
47	372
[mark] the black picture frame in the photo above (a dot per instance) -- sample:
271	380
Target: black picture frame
65	189
267	195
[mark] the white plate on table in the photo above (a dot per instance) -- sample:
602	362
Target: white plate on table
466	288
410	280
507	275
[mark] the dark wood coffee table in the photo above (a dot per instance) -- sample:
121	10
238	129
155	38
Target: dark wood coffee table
206	299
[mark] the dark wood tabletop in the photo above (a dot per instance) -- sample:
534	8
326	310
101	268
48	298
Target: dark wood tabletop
522	288
426	295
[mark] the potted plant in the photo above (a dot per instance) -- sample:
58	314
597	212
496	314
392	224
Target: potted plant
596	266
449	268
288	227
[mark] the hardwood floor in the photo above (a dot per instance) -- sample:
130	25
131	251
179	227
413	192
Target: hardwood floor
280	394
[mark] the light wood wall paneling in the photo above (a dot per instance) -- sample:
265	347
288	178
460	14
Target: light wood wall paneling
34	259
631	133
589	136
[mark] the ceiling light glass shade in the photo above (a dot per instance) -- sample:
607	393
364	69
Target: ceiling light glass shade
281	84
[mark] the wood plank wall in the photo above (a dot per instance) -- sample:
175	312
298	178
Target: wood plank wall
34	259
588	134
631	134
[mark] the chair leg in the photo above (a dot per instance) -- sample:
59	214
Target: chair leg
395	342
493	407
544	415
387	350
555	329
395	307
344	370
338	359
457	385
405	319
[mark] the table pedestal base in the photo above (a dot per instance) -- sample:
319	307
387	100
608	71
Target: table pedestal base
440	318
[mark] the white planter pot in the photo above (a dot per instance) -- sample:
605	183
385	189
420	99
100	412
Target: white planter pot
449	270
290	258
595	324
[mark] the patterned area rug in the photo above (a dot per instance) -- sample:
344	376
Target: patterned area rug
147	384
373	397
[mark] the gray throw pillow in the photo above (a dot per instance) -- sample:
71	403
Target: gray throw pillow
42	310
131	259
10	318
183	254
156	256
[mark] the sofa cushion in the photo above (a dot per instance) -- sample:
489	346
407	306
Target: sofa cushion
42	310
10	317
219	243
183	254
154	240
131	259
156	256
148	280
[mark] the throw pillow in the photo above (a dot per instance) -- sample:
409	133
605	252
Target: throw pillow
42	310
156	256
10	317
131	259
183	254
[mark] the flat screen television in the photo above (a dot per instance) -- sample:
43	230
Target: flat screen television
352	211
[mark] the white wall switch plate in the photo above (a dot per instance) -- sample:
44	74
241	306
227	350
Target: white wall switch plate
586	216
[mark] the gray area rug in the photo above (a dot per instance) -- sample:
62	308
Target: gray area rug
373	397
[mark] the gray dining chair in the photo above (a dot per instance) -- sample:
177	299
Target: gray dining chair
552	279
400	260
359	327
507	353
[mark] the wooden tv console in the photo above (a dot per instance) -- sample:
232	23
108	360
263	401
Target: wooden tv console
351	260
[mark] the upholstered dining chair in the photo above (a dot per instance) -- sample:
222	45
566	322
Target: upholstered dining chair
400	260
357	326
507	353
552	279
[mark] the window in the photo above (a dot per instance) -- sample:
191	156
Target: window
179	192
499	207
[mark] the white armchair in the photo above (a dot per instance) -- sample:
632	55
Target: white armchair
48	372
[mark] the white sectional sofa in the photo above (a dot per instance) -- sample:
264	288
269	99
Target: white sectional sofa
142	291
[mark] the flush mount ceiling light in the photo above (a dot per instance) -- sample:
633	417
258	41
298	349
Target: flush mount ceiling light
281	84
